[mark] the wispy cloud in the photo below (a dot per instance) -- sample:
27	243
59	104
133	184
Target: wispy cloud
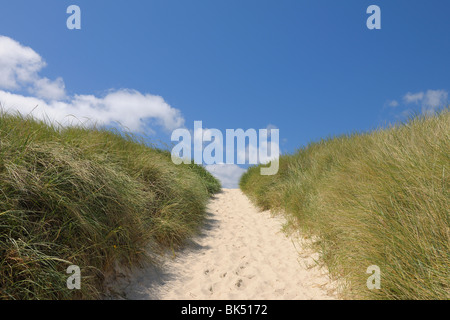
413	97
228	174
434	99
20	68
425	102
49	90
429	100
393	103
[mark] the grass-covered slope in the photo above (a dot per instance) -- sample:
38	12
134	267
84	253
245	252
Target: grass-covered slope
86	197
380	198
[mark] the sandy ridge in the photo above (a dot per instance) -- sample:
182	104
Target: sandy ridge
241	254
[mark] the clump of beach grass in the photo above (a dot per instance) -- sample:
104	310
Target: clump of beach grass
378	198
90	197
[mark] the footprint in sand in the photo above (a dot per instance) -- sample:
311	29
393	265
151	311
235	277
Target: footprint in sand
261	253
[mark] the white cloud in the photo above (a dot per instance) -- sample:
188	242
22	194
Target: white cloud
393	103
49	90
19	70
413	97
19	65
434	99
130	108
430	100
228	174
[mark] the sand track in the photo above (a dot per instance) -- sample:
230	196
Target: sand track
240	254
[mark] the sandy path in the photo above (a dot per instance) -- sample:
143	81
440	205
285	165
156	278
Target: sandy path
241	254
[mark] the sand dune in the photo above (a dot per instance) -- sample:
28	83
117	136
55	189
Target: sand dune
241	254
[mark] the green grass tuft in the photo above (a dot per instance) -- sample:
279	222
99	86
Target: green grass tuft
88	197
380	198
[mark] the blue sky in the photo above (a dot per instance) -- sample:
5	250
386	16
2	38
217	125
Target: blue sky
311	68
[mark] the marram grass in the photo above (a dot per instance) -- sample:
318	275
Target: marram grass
89	197
380	198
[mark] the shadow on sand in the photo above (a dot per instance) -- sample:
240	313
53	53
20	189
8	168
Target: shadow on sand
144	283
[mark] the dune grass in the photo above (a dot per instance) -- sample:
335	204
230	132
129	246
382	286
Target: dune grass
89	197
379	198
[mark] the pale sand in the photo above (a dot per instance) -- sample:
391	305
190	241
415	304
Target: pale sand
242	253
